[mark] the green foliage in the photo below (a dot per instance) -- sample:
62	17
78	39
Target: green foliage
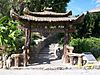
84	34
60	38
86	45
33	5
10	36
98	58
4	7
40	5
90	27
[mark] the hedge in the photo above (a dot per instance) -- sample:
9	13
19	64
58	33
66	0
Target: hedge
86	45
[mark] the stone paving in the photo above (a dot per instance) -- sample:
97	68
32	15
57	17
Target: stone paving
49	72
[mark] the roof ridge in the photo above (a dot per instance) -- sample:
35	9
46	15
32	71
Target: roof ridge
46	13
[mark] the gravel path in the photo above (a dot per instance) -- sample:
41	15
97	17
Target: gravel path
49	72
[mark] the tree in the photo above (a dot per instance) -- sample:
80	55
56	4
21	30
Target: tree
4	7
96	29
33	5
90	27
40	5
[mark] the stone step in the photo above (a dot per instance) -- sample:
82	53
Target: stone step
47	52
44	67
46	55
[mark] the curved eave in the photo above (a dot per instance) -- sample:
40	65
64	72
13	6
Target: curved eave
14	15
30	18
79	19
47	19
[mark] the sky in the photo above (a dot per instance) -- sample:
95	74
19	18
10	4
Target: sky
79	6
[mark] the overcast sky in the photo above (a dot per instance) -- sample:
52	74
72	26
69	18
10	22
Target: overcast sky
79	6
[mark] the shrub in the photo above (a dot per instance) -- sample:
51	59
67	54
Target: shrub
10	36
86	45
98	58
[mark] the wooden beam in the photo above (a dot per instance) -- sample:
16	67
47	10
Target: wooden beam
47	30
62	30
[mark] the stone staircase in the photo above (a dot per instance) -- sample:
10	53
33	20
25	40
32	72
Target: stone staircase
47	54
42	47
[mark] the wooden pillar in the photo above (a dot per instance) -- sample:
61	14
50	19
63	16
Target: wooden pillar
65	52
27	45
25	57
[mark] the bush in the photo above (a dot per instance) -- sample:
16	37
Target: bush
86	45
10	36
98	58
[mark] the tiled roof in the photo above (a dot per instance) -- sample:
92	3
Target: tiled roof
45	16
49	19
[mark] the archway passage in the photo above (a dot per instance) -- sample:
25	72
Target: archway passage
43	22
